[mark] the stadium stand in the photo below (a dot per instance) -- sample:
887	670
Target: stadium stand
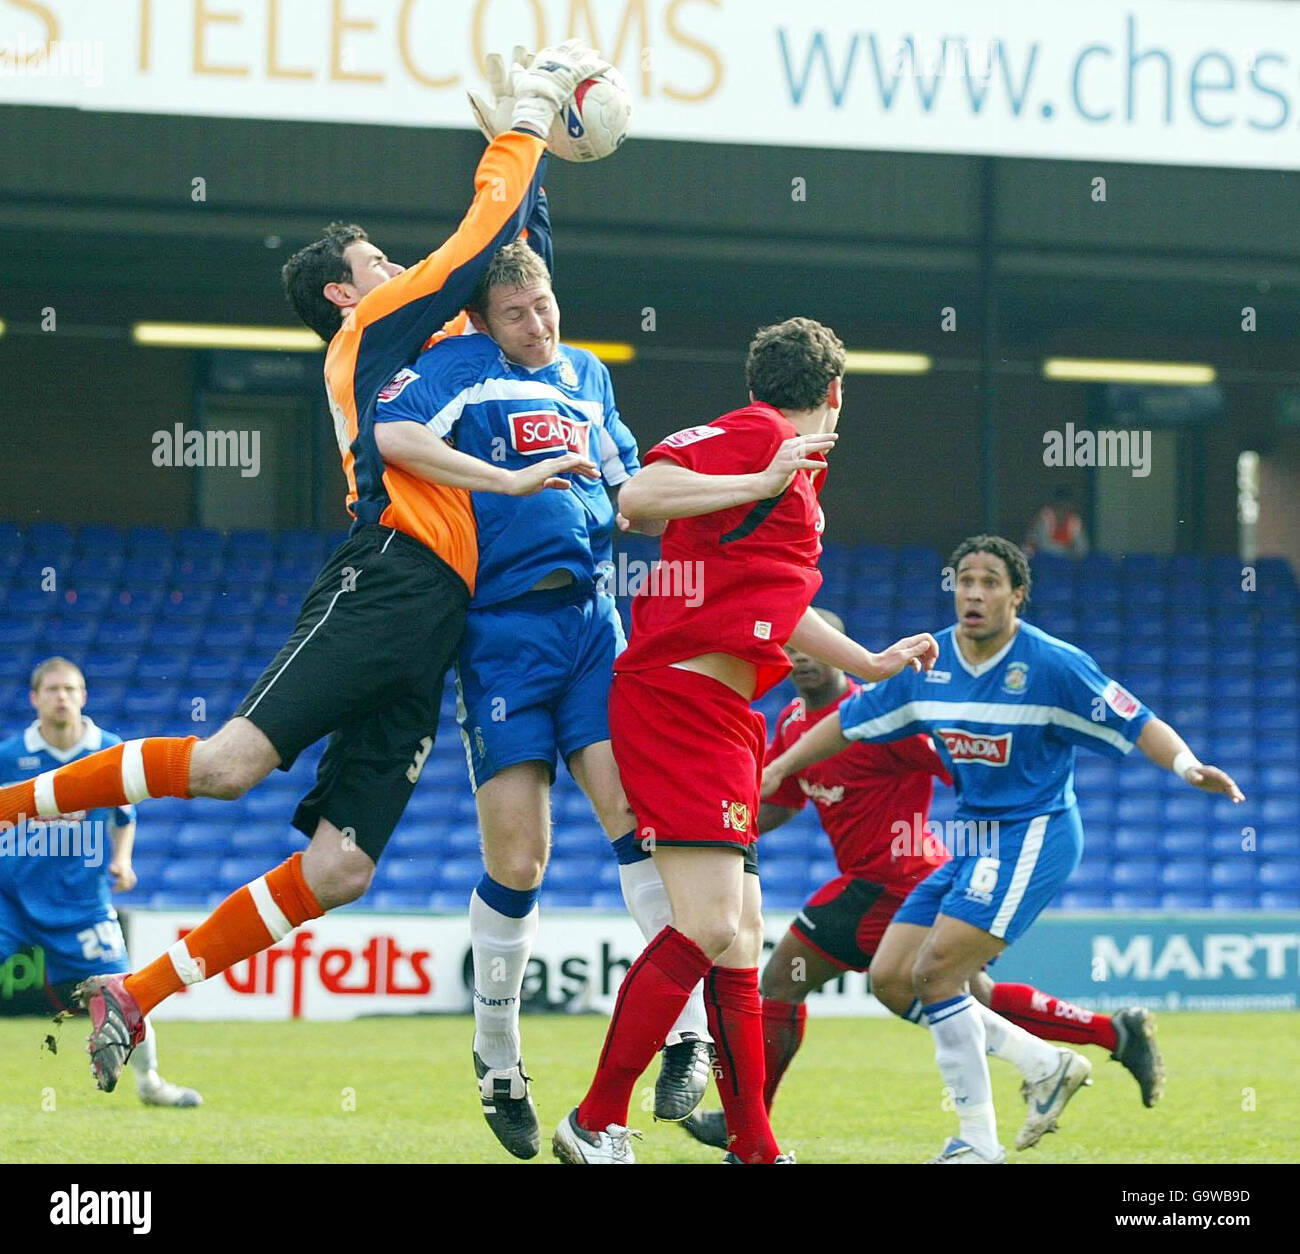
171	628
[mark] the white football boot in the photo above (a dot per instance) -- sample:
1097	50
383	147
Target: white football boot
1046	1099
155	1091
957	1152
572	1144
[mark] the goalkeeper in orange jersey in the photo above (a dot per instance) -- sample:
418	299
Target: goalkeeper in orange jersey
380	627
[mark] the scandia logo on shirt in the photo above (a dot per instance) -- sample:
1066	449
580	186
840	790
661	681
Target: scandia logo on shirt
968	746
545	431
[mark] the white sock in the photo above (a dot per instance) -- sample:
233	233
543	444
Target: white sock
501	947
1034	1059
959	1046
144	1058
647	903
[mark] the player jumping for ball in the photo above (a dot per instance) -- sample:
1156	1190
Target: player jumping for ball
535	664
873	801
379	628
688	746
1008	705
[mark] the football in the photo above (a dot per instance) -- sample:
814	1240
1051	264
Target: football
595	122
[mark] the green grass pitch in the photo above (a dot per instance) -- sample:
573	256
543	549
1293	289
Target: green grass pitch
402	1090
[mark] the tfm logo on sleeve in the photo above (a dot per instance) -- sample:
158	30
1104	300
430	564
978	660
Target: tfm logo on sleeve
968	746
691	435
545	431
1123	702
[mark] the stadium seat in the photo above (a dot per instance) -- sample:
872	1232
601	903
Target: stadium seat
1285	900
460	874
1280	875
396	900
200	541
1135	841
1073	899
410	873
1138	875
1186	875
1237	874
1189	899
1233	901
191	878
1134	899
16	632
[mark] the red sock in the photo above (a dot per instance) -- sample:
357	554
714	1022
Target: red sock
157	767
736	1022
1052	1018
783	1025
653	994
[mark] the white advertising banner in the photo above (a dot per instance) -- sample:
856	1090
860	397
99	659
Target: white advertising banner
349	964
1186	82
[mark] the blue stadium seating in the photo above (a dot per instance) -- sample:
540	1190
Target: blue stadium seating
160	618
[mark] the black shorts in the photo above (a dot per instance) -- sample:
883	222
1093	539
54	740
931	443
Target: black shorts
845	919
365	665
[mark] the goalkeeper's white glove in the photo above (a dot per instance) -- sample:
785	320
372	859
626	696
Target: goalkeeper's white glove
544	87
497	115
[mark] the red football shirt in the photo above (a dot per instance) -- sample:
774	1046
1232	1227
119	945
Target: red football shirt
869	797
739	580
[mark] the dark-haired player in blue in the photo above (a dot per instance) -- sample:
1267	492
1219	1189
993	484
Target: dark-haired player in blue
57	921
1007	706
542	633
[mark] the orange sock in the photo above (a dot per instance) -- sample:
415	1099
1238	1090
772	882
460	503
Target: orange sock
248	921
157	767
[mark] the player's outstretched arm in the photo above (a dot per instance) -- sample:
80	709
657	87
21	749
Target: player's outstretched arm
772	816
1167	749
816	745
416	450
817	638
665	490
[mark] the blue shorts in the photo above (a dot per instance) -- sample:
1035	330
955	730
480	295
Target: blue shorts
1003	893
533	678
92	945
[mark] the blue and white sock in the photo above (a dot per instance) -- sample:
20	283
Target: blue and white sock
647	902
1034	1059
959	1045
502	928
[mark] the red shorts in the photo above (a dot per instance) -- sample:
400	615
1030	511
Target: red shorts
690	754
845	919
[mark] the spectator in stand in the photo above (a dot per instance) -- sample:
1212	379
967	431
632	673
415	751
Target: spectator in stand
1057	528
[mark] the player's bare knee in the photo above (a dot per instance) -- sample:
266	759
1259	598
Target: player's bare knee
521	870
933	976
893	989
713	935
337	877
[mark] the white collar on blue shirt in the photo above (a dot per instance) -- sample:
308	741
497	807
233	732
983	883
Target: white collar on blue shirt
982	668
92	738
